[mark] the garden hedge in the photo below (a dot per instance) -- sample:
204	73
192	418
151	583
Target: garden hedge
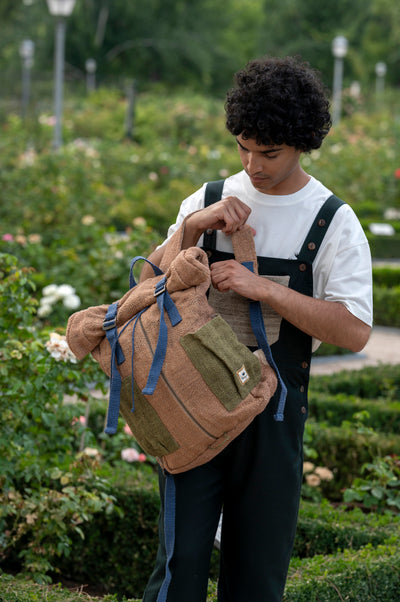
385	247
120	554
384	415
344	450
369	383
368	574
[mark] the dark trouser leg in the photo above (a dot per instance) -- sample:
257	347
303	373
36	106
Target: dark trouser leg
260	509
258	478
198	506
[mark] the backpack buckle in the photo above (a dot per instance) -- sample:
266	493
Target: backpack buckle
109	324
160	287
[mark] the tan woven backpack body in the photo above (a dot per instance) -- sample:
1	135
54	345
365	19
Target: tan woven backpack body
178	375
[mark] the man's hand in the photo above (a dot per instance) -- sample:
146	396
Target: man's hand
227	215
232	275
327	321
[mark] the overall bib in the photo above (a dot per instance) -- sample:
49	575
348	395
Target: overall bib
256	479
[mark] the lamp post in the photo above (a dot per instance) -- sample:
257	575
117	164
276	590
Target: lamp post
26	51
90	66
380	71
339	51
61	9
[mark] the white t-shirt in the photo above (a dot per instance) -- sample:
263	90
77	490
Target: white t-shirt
342	267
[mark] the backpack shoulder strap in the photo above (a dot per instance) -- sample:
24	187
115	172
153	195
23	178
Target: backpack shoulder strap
319	228
212	195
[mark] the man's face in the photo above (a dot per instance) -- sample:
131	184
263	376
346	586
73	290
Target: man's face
272	169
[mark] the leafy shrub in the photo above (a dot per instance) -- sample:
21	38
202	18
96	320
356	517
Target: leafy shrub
379	490
95	260
45	489
383	415
344	451
324	529
367	574
387	305
386	276
371	382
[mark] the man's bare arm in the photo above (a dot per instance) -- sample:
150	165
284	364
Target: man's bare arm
328	321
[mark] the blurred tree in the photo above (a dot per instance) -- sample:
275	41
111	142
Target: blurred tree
307	27
198	44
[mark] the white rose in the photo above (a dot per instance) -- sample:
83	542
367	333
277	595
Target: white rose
50	290
71	302
44	310
65	290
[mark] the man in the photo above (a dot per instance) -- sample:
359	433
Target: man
314	283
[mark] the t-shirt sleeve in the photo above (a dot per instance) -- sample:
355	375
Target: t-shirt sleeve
342	269
192	203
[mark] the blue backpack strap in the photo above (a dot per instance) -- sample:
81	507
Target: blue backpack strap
169	533
157	271
117	357
258	326
164	302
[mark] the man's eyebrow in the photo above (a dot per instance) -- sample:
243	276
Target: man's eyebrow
268	150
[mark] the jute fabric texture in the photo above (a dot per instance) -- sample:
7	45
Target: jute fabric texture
210	387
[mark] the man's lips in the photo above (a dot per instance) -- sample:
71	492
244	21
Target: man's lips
258	178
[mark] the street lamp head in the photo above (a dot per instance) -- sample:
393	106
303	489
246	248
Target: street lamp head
90	65
380	69
61	8
339	47
26	49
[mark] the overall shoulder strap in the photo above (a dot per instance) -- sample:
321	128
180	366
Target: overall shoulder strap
319	228
212	195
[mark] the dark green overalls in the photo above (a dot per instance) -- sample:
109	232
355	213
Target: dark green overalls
256	479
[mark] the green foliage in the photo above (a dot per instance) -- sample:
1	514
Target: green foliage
77	217
369	383
387	306
385	275
368	574
383	415
196	44
379	490
45	489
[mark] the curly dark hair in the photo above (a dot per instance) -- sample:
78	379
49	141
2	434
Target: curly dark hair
279	101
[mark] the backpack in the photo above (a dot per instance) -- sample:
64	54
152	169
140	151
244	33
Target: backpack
179	376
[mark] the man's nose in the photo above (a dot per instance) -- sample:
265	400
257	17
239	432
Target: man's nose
254	163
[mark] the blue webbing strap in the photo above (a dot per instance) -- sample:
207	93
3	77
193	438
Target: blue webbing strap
117	357
164	301
156	269
257	324
169	533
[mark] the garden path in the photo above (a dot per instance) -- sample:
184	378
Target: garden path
382	347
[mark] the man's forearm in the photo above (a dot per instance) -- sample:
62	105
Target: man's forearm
328	321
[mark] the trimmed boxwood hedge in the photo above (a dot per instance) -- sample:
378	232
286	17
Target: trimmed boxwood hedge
371	574
386	275
324	529
369	383
368	567
387	306
118	553
384	415
344	451
384	247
